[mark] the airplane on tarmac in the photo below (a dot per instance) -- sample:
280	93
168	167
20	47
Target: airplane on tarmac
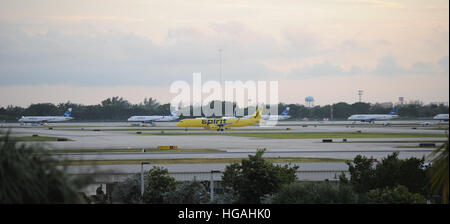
283	116
44	119
154	118
441	117
220	124
371	118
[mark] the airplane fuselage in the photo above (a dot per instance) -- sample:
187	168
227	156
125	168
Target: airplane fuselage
371	117
220	124
275	117
151	118
215	123
42	119
272	117
442	117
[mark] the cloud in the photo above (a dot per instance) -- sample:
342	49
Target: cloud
383	42
322	69
121	58
443	65
387	65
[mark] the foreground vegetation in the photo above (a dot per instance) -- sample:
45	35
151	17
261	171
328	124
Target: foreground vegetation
28	177
256	180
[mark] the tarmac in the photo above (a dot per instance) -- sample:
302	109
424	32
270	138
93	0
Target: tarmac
122	135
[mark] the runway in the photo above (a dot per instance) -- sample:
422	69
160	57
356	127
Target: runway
403	153
121	135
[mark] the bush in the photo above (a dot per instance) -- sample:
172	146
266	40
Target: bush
191	192
159	183
128	191
314	193
390	172
254	178
362	174
396	195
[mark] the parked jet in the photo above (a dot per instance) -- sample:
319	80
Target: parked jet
154	118
283	116
371	118
441	117
45	119
220	124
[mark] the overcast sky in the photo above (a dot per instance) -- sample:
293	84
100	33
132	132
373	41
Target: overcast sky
87	50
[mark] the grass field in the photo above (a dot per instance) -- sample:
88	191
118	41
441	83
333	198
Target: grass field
195	161
126	150
397	141
158	129
34	139
311	135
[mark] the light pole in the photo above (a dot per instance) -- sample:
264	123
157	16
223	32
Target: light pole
220	71
142	177
211	188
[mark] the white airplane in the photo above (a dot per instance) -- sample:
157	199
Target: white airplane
371	118
283	116
154	118
441	117
45	119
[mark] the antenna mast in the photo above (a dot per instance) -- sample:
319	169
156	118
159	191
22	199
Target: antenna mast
360	93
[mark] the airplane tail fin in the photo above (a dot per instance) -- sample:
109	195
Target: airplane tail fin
285	112
68	113
393	111
174	113
257	114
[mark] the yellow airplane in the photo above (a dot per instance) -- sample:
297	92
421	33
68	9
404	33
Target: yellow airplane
220	124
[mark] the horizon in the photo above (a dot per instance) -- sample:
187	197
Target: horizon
301	104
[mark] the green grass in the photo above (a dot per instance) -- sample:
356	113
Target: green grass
416	147
34	139
311	135
195	161
398	141
158	129
125	150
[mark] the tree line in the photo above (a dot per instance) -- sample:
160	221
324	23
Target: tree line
119	109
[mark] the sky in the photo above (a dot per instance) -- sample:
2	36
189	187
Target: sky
88	50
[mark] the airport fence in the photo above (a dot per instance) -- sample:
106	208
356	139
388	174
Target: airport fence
302	176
